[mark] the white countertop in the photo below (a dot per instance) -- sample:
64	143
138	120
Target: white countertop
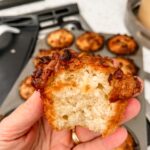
91	10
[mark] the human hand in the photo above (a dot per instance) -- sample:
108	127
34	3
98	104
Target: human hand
26	129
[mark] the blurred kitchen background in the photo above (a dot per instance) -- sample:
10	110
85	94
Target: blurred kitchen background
105	16
102	16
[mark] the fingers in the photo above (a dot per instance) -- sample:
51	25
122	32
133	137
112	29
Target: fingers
61	138
132	110
24	117
108	143
85	134
116	139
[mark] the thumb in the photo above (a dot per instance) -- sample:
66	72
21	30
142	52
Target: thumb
23	118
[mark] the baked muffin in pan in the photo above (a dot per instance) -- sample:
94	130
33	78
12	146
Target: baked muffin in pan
129	144
127	65
122	44
61	38
90	42
26	89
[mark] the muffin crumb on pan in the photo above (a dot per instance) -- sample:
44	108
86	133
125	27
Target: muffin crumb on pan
84	90
90	42
61	38
122	44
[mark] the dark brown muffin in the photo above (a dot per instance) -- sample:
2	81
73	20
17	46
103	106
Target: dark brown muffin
61	38
90	41
122	44
26	89
127	65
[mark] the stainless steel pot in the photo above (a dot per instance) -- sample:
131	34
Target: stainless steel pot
140	33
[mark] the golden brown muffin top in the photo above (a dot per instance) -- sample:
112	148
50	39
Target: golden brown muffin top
124	86
61	38
122	44
90	41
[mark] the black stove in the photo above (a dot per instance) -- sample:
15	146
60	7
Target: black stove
16	50
10	3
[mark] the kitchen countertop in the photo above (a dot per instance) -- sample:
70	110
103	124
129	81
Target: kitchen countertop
100	22
111	21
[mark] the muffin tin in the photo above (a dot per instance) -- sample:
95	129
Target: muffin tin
137	126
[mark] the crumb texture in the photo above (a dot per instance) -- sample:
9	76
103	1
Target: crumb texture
81	98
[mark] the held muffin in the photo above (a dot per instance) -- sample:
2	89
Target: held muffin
122	44
84	90
90	42
61	38
26	89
